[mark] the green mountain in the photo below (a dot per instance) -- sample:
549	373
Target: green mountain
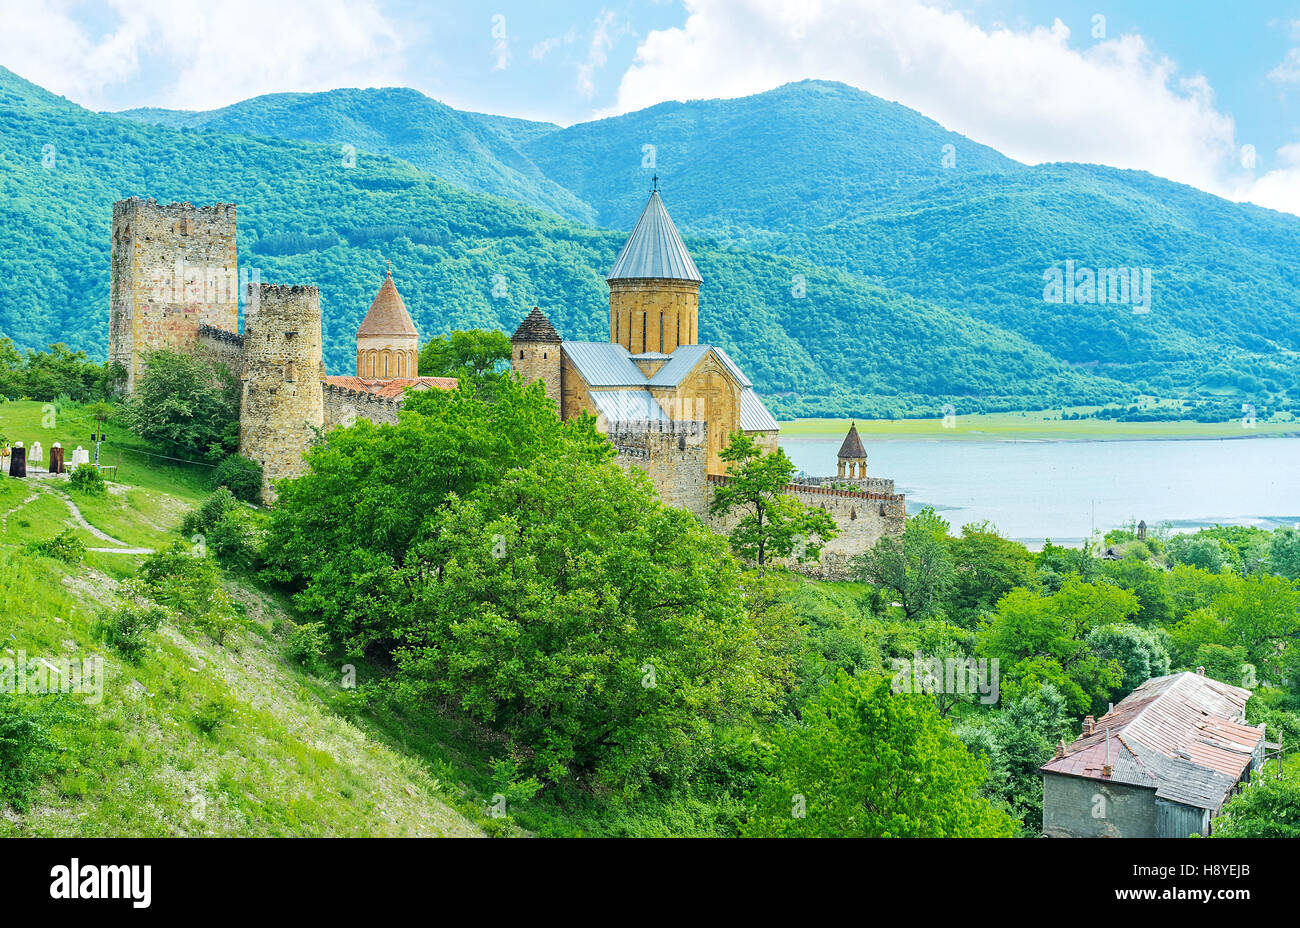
847	346
852	183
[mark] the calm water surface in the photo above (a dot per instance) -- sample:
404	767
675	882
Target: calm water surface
1032	490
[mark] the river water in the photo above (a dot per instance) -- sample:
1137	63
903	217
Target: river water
1033	490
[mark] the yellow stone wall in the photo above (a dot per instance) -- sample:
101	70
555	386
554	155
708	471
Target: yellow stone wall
387	356
540	361
654	315
707	394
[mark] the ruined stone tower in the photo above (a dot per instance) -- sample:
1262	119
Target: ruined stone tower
173	269
536	352
388	344
283	398
654	287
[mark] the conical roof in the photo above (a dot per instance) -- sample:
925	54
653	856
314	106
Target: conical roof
654	250
387	315
852	447
536	328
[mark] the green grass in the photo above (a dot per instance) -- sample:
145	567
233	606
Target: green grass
1032	426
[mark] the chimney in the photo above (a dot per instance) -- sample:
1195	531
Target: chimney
1200	671
1060	748
1088	724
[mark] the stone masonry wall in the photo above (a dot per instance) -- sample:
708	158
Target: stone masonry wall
640	311
674	456
862	518
539	361
173	268
222	347
283	401
344	407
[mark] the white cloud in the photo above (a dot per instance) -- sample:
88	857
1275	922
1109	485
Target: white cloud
604	33
1027	93
543	48
211	54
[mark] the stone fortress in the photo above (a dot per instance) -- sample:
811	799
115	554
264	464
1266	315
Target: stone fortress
174	283
671	405
668	404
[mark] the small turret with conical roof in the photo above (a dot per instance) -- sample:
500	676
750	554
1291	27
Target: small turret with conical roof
388	344
852	456
535	352
654	286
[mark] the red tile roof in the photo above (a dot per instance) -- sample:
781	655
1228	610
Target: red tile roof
392	387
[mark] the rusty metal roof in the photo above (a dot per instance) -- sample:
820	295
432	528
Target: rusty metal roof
1183	734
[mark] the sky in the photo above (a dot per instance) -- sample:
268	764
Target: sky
1200	91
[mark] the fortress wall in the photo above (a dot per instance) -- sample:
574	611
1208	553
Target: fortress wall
673	454
862	519
173	267
344	407
221	347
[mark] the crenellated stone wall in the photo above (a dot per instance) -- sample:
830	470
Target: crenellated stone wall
173	268
344	407
674	455
283	397
221	347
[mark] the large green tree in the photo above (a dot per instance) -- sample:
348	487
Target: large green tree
870	763
570	610
773	522
1268	808
186	405
916	568
479	355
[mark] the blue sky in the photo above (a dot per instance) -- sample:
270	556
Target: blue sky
1203	92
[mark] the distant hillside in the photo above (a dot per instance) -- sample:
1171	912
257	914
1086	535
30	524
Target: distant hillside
847	181
845	346
476	152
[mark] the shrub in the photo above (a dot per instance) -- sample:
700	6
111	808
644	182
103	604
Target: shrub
223	525
125	628
65	546
306	642
240	476
213	714
87	480
27	751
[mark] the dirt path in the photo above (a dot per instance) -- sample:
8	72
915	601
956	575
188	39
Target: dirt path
4	519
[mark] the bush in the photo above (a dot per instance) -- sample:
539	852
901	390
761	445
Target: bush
125	628
27	751
65	546
88	481
240	476
223	526
306	642
213	714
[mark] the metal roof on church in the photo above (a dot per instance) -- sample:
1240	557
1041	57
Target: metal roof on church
628	406
654	250
604	364
754	416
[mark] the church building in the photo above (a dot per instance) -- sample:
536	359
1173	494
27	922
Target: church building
652	371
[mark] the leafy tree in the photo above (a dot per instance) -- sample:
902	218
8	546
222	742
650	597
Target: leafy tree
1149	584
867	762
1140	652
570	610
1044	639
1262	615
916	568
241	476
1268	808
479	355
1284	553
985	566
340	532
1201	550
775	523
186	405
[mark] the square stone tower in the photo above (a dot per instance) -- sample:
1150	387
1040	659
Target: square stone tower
174	268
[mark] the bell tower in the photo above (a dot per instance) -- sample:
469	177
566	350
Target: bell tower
654	286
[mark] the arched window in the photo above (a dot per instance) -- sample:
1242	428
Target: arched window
521	354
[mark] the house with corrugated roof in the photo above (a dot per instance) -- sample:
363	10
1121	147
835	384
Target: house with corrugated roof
1160	764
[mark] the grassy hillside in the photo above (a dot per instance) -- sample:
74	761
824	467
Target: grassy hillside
841	345
142	760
